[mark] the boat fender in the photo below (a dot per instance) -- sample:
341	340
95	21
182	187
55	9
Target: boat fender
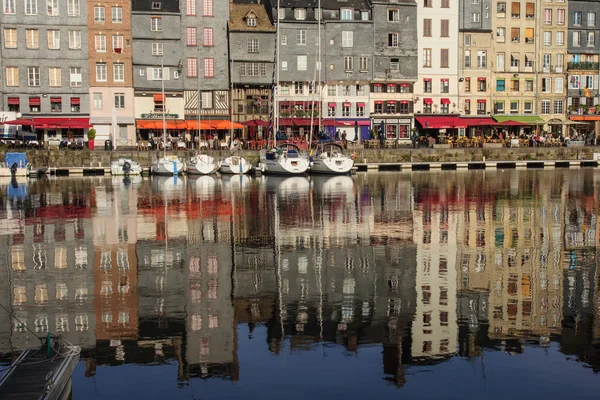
126	167
353	156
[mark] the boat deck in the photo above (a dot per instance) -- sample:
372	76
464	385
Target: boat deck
34	375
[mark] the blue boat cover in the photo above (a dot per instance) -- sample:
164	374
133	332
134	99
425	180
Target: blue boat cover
19	158
17	191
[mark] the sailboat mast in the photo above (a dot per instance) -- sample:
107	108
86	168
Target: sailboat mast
164	102
276	91
320	87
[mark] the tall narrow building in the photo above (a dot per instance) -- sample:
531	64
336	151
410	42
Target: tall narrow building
111	77
395	67
45	64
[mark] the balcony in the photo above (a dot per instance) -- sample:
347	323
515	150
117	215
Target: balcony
583	66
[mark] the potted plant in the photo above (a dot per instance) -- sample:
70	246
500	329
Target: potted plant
91	136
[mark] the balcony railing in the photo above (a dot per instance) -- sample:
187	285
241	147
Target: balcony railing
583	65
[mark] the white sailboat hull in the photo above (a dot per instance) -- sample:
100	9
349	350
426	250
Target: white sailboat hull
119	168
332	165
278	162
167	166
234	165
22	172
202	165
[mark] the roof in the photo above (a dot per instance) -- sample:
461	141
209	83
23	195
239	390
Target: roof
325	4
171	6
239	13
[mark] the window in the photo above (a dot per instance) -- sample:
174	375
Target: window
364	16
560	38
99	14
156	5
360	110
514	107
467	58
117	43
347	39
12	76
515	35
157	74
546	85
117	15
74	40
500	62
31	7
515	84
427	28
100	41
53	39
302	62
207	8
252	45
576	39
97	97
445	28
119	72
500	35
299	88
101	72
10	38
545	106
33	76
529	10
300	14
482	59
467	107
73	8
426	57
363	64
393	15
9	6
281	13
54	79
500	85
394	64
284	65
446	3
191	35
32	36
251	21
591	39
591	19
501	9
331	90
190	7
476	17
427	3
427	85
284	40
481	84
444	86
529	85
577	18
560	16
499	107
467	40
157	49
156	24
55	106
348	63
558	85
52	7
347	14
346	110
301	37
548	16
75	76
209	67
208	37
393	39
547	38
515	10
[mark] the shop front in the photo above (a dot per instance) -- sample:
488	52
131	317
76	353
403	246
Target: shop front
519	125
395	128
440	126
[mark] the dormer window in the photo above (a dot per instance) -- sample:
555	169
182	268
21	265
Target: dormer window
156	5
347	14
300	14
251	21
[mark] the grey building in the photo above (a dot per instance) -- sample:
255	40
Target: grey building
395	66
205	57
252	55
45	61
583	50
156	33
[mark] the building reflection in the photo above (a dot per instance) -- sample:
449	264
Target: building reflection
426	266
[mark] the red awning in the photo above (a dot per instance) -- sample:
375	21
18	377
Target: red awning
404	101
300	102
484	121
377	84
360	104
481	101
426	79
444	80
427	100
13	100
391	101
35	101
332	105
391	84
481	79
467	101
76	123
405	84
378	101
346	104
75	100
445	101
440	122
159	98
55	100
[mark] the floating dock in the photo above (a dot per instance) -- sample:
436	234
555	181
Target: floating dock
428	166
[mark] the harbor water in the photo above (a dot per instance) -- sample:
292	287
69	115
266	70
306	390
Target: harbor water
423	285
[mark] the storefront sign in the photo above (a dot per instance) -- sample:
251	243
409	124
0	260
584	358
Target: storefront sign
159	116
405	121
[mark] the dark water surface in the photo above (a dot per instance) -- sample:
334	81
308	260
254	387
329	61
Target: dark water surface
458	285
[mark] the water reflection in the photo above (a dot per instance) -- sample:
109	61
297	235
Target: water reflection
425	266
